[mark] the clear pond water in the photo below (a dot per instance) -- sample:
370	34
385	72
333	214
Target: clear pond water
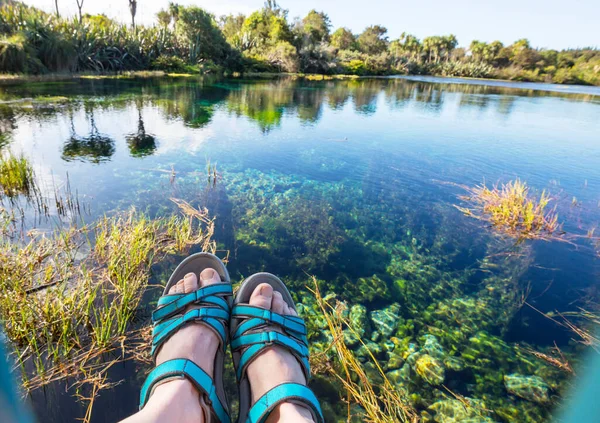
354	182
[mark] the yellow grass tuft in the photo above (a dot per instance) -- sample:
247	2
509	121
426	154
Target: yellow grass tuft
511	210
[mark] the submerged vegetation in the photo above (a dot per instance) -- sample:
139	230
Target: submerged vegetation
418	313
187	39
512	210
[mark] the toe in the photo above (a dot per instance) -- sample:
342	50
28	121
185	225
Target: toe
278	303
177	288
190	283
292	311
209	276
262	296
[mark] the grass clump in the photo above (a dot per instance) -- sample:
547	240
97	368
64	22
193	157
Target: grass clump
512	210
16	175
380	403
68	297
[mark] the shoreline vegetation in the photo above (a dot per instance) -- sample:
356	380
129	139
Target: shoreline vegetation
189	40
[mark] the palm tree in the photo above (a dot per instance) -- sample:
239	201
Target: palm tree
56	5
132	9
79	6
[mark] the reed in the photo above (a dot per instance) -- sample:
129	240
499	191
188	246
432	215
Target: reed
381	403
69	297
511	210
16	175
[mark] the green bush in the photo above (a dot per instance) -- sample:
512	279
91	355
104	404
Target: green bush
169	64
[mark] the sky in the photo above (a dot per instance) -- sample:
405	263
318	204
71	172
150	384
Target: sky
546	23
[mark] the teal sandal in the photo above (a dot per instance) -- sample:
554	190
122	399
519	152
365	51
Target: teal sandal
249	339
215	303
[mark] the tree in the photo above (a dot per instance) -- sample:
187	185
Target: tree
410	44
477	49
448	43
315	27
373	40
164	18
174	9
433	46
231	26
284	56
79	6
197	30
263	29
56	6
343	39
132	10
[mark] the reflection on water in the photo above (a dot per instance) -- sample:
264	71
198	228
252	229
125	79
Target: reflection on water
141	143
353	182
94	147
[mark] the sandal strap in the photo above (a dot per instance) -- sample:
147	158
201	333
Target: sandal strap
251	342
289	323
180	368
169	305
286	392
214	317
254	344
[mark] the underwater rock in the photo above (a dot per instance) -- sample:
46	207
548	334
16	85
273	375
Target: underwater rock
363	352
453	363
394	362
530	388
430	369
386	321
396	377
369	289
433	347
360	323
454	411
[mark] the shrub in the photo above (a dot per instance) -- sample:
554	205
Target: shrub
169	64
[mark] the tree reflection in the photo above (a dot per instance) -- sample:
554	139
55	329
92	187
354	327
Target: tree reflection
141	144
262	102
94	148
7	125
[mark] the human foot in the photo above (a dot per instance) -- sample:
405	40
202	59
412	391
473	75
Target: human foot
178	400
276	365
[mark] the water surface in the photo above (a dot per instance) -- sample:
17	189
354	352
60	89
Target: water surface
353	182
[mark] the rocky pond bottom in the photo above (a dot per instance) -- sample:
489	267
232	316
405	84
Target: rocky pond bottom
353	183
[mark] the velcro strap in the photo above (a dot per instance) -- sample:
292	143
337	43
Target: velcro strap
215	317
269	338
185	368
286	392
169	305
291	323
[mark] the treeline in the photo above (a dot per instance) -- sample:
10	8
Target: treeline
189	39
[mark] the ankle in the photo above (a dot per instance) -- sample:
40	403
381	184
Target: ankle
290	412
176	400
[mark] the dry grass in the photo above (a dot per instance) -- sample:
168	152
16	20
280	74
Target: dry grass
68	298
383	403
512	210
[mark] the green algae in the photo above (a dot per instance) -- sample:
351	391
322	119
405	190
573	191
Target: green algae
434	329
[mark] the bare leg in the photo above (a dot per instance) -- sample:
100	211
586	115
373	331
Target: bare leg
177	400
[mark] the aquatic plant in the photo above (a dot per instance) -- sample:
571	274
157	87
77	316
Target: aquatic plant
512	210
16	175
68	297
